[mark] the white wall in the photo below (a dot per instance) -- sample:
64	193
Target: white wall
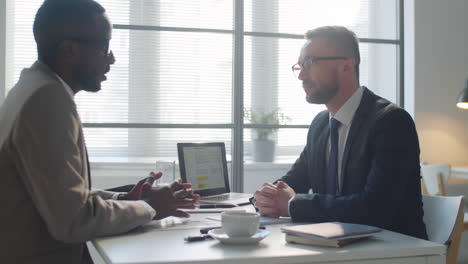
440	69
2	49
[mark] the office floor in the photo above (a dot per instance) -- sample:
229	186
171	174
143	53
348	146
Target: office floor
460	187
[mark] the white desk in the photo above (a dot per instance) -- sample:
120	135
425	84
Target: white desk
168	246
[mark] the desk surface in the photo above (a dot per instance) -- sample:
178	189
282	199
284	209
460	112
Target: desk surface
153	244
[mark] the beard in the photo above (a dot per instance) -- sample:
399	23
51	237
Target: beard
88	80
324	93
88	77
91	85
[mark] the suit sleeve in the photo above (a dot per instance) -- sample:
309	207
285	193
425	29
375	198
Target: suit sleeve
103	193
296	177
46	137
394	162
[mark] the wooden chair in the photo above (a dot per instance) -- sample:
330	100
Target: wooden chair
465	222
434	180
443	216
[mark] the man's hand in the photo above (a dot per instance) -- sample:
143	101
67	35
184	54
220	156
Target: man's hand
265	200
165	200
272	200
135	193
285	193
184	190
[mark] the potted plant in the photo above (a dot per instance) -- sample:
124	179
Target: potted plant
263	145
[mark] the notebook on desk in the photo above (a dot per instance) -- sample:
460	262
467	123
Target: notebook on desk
331	234
204	165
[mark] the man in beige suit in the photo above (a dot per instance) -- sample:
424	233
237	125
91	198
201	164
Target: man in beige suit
48	209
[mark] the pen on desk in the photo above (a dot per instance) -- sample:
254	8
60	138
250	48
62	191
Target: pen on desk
197	238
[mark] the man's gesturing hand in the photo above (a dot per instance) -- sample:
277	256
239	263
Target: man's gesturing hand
135	193
167	199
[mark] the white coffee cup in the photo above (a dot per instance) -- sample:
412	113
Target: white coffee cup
240	224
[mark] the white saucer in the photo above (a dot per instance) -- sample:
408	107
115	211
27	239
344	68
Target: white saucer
224	238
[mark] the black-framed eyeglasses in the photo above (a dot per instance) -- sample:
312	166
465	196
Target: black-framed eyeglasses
101	44
308	61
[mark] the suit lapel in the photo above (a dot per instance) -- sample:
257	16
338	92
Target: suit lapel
320	152
88	168
358	120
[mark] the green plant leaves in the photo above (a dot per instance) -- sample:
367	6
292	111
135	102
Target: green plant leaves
265	117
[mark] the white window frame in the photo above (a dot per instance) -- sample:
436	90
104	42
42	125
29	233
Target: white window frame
237	126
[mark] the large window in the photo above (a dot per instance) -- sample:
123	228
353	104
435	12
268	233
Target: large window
186	70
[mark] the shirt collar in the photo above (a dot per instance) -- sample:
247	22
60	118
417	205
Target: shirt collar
67	87
346	113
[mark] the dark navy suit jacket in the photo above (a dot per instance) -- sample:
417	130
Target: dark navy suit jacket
380	170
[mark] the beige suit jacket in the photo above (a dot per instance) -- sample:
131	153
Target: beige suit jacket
47	210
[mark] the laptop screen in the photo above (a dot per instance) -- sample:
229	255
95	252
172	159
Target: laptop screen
204	166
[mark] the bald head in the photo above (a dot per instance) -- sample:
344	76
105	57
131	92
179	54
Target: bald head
57	20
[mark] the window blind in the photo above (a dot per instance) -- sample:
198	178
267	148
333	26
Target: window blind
173	77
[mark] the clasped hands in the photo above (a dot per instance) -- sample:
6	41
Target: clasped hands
272	200
167	200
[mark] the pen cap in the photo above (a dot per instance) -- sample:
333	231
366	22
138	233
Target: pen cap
240	224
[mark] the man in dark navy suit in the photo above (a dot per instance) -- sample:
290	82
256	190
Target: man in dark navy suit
361	161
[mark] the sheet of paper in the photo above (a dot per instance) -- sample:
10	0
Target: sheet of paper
213	210
178	223
263	220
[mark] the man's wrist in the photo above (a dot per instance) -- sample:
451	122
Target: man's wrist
152	212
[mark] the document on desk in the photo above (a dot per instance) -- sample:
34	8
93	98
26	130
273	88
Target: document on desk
178	223
213	210
263	220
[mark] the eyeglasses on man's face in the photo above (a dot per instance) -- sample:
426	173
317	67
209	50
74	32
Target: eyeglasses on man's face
102	45
308	61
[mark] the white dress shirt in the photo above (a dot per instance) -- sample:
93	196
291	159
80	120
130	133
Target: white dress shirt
345	116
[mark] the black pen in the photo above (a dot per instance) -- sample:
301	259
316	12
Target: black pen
207	206
197	238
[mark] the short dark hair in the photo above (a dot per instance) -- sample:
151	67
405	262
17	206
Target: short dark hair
57	19
342	39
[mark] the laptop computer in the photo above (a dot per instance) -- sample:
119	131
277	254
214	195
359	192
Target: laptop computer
204	166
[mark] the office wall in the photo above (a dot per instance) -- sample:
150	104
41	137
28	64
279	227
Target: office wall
2	49
440	48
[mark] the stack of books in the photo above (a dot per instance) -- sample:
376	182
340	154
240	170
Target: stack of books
330	234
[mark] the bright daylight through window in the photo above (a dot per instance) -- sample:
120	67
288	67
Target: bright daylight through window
188	71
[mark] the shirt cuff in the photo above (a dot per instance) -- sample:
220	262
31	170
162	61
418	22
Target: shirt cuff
148	207
289	205
115	196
